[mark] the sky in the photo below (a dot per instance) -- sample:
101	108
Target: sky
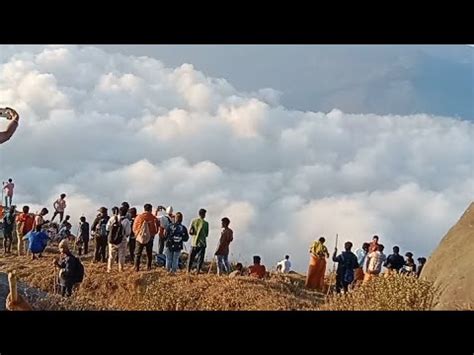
290	142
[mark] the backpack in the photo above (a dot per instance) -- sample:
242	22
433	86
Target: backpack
144	236
102	228
116	232
78	270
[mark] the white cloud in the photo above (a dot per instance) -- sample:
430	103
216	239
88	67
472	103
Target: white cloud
107	127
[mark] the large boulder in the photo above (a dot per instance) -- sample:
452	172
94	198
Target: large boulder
451	266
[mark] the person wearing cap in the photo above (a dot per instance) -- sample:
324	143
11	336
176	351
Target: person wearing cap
67	265
421	264
409	267
166	219
99	226
38	240
222	251
199	229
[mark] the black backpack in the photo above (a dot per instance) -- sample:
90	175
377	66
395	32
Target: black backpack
78	270
116	232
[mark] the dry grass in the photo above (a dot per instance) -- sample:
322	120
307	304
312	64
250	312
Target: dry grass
156	290
393	293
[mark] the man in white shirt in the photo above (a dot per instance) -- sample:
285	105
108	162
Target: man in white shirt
374	262
118	250
166	219
284	266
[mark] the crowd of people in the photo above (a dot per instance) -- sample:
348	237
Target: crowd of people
359	267
121	237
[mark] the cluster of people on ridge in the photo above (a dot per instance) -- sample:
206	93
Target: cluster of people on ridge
125	234
122	234
359	267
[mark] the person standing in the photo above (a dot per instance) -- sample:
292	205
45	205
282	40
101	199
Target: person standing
361	255
71	270
99	226
8	227
394	262
24	224
83	236
166	219
199	229
374	263
421	264
346	264
132	213
145	228
317	265
8	187
409	266
175	235
119	230
222	251
373	246
39	218
59	206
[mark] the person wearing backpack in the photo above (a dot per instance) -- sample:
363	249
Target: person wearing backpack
175	235
71	270
8	227
119	230
145	227
346	264
199	230
166	219
99	226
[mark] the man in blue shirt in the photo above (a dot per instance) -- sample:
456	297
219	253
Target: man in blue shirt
37	241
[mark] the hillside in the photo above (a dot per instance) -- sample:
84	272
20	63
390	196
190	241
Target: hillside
451	265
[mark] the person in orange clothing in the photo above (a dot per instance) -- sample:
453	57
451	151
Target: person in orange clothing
317	265
257	270
24	224
145	227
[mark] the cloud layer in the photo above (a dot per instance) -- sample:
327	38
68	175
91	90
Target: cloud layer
108	127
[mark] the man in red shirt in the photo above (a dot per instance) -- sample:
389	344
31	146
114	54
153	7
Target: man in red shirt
374	245
24	224
257	270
